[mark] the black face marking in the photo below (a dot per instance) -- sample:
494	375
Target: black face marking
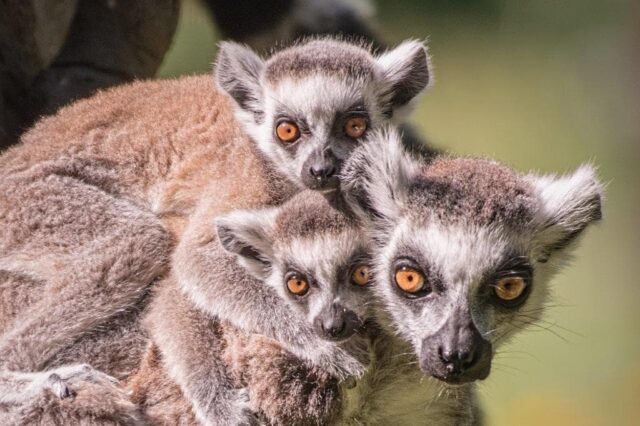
457	352
338	131
345	271
513	266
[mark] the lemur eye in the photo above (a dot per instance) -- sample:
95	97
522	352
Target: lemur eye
409	280
355	127
297	285
287	131
361	275
509	288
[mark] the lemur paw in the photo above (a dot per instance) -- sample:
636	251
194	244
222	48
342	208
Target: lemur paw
73	394
64	381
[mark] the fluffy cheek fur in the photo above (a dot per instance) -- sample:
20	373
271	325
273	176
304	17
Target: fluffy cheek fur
316	100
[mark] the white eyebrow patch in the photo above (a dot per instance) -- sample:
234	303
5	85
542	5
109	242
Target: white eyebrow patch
317	97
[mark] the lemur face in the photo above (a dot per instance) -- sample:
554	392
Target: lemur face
309	106
466	248
312	255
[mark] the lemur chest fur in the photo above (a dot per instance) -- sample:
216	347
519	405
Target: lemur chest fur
393	391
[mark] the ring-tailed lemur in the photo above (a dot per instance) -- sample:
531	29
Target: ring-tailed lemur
94	198
308	262
466	248
315	259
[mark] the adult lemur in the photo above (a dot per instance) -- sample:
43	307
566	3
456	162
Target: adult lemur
466	248
94	199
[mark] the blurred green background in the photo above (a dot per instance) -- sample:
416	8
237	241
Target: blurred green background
543	85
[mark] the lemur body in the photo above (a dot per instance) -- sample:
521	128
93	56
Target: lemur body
94	199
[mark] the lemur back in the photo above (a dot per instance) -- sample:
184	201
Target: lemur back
94	199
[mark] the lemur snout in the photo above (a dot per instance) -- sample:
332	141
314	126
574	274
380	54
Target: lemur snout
336	323
320	171
456	354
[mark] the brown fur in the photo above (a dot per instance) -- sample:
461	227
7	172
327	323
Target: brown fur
95	401
277	392
306	215
91	203
327	57
273	377
159	398
479	191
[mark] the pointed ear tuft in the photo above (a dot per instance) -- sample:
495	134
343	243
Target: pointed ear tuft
247	234
376	177
406	72
569	204
237	71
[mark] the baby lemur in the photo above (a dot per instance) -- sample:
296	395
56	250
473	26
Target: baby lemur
309	262
465	248
313	263
94	199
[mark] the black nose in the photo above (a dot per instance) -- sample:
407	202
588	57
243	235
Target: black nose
336	323
457	353
334	327
322	171
457	362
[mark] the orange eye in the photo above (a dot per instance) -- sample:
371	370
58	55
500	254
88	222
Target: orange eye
297	285
287	131
361	275
409	280
509	288
355	127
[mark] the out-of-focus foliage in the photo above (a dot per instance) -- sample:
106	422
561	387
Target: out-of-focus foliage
541	85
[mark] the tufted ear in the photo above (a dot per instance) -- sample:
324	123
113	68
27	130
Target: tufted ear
375	180
406	72
568	205
237	71
247	234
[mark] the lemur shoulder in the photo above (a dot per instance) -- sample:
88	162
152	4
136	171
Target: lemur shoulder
98	195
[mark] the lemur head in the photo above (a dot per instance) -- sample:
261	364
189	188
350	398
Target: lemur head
308	106
465	247
313	255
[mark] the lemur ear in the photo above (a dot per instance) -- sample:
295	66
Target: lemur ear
568	204
375	180
247	234
406	71
237	71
